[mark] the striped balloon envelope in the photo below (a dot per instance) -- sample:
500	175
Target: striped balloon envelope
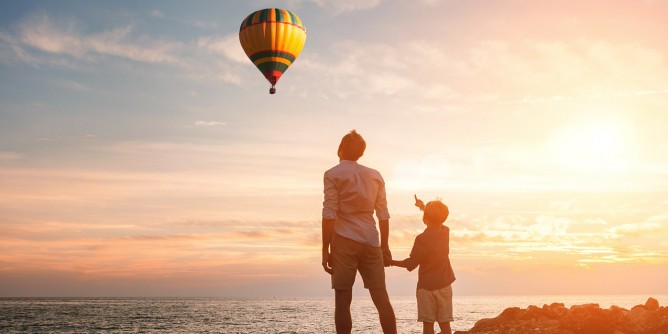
272	38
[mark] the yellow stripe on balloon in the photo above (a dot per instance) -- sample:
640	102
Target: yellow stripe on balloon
273	33
286	16
274	59
296	41
280	37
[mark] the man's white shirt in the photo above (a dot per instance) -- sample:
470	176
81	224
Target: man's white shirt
352	193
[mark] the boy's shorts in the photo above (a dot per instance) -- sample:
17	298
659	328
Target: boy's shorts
349	256
435	305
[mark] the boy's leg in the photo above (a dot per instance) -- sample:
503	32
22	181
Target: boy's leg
427	328
342	318
385	311
445	316
445	327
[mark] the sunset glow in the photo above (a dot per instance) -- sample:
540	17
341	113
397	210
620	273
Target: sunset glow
140	153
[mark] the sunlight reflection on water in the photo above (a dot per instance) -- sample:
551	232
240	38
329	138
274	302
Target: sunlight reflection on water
220	315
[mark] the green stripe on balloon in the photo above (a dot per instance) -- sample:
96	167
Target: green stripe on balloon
265	54
264	15
293	17
272	66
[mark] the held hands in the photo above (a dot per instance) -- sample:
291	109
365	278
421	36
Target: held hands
419	203
397	263
387	256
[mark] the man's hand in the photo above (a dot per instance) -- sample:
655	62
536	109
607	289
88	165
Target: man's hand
327	233
326	264
387	256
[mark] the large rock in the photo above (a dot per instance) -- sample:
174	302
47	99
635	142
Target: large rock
652	304
649	318
586	319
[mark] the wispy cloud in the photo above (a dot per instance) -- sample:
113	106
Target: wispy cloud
633	229
513	70
227	45
41	39
345	6
541	232
207	124
156	13
9	156
393	71
99	251
42	33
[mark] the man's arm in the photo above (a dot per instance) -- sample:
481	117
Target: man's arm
384	225
327	232
380	206
329	208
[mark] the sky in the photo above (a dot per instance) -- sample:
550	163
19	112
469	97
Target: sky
141	154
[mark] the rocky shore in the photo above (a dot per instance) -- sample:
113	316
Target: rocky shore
649	318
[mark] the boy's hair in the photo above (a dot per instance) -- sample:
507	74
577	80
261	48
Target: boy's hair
352	146
436	212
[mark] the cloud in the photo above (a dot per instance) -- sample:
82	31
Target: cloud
539	227
11	49
39	39
403	70
346	6
540	70
10	156
228	46
555	69
41	33
339	7
206	124
104	250
156	13
633	229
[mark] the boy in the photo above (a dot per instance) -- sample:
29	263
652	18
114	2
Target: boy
430	252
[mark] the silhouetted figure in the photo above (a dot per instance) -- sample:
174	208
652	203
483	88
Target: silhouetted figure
431	252
350	240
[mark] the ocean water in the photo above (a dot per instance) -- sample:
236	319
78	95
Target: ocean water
221	315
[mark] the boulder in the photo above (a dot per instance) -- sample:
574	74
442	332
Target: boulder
587	319
652	304
555	318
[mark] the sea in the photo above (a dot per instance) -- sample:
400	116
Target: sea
274	315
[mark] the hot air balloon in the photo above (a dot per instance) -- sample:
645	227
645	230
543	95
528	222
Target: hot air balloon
272	38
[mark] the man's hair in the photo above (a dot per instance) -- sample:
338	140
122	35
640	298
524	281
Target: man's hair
352	146
436	212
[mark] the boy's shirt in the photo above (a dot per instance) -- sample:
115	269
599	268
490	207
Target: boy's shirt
430	252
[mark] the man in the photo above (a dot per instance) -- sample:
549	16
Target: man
350	240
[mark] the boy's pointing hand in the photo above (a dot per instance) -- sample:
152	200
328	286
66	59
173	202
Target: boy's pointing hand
419	203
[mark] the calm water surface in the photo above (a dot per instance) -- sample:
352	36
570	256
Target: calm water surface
220	315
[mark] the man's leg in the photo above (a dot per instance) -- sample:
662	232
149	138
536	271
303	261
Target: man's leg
445	327
427	328
342	318
385	311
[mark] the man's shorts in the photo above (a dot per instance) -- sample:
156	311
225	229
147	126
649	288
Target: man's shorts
348	257
435	305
